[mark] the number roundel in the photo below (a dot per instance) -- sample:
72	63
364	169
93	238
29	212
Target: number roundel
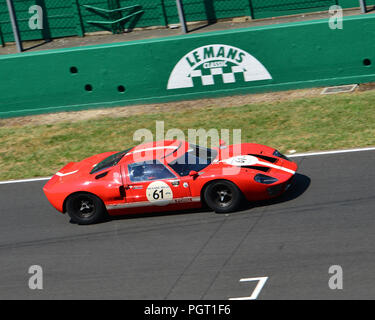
160	192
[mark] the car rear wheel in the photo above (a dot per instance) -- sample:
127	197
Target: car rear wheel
85	208
223	196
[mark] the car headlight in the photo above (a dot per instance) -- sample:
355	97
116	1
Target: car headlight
280	155
262	178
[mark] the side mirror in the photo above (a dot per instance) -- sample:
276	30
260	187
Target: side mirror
193	174
222	143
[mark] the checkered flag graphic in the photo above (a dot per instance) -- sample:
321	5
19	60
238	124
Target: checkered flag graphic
209	80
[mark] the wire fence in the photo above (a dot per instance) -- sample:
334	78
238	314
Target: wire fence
269	8
77	17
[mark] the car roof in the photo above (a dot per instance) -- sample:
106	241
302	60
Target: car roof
164	151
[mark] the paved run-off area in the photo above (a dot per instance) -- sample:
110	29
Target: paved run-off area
326	219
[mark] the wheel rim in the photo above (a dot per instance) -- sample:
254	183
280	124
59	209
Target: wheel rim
84	207
222	196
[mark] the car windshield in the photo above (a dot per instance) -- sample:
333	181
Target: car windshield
110	162
195	159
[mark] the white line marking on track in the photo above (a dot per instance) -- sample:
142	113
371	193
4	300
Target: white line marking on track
321	153
25	180
290	156
261	282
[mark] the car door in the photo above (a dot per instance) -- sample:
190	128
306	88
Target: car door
152	183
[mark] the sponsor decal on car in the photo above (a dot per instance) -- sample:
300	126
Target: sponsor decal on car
211	64
159	192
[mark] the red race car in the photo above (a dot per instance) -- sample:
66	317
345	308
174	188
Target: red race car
168	175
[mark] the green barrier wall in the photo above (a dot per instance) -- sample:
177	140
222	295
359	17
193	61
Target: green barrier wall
288	56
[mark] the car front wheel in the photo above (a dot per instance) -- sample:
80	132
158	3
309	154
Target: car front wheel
85	208
223	196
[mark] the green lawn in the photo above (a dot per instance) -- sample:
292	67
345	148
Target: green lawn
320	123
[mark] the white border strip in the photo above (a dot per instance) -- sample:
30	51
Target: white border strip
310	154
290	156
25	180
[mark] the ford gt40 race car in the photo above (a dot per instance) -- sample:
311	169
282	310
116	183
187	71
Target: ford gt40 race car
168	176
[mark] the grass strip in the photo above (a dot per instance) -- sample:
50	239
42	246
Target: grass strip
311	124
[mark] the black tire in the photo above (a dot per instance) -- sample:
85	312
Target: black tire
223	196
85	208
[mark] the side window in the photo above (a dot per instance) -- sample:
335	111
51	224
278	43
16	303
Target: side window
148	171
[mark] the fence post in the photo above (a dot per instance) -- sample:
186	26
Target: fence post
1	38
251	9
13	20
78	18
362	3
181	15
163	14
113	4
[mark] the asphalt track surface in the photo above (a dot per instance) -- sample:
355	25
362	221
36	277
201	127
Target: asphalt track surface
326	219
